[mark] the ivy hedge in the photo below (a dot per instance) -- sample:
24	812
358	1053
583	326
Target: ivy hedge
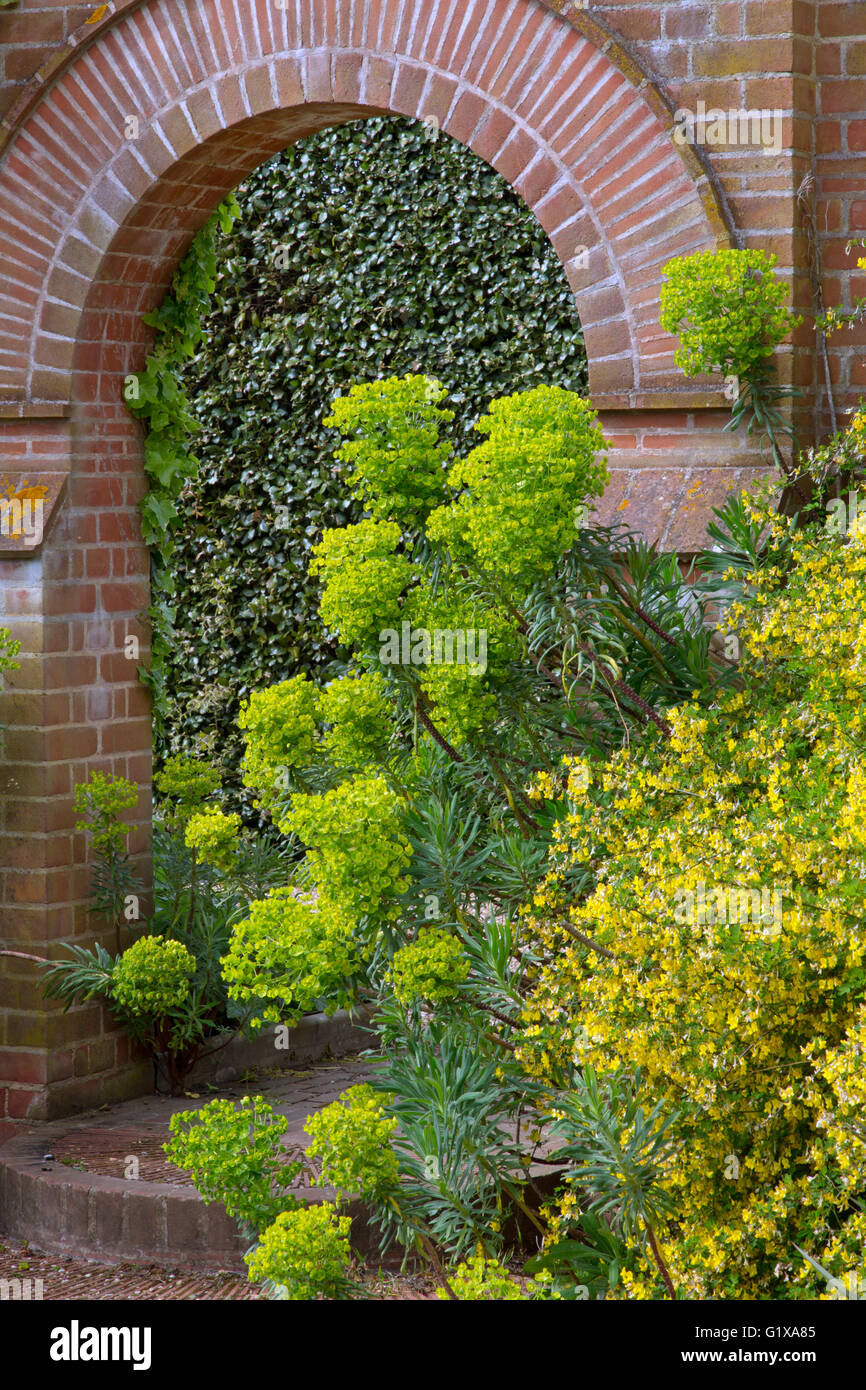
370	250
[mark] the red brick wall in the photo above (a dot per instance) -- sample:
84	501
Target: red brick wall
809	58
840	142
30	34
573	104
806	56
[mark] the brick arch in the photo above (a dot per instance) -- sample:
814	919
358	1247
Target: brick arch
540	101
94	226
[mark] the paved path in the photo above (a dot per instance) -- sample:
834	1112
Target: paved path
64	1277
105	1141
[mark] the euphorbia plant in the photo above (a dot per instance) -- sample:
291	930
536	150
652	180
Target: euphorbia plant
234	1154
501	851
115	887
406	780
166	989
730	312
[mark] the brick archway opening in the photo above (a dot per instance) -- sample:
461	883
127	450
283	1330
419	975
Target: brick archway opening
104	184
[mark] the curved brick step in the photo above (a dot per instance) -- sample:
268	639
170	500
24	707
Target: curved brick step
95	1215
71	1210
66	1211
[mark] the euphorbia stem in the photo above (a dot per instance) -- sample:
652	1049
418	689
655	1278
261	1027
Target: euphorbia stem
426	721
636	608
515	793
657	1256
625	689
488	1008
434	1260
615	682
193	885
525	822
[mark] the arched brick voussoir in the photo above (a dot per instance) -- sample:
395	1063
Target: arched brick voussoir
136	268
609	329
560	204
213	88
146	205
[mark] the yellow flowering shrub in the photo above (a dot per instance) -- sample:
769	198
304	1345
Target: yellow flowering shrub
727	907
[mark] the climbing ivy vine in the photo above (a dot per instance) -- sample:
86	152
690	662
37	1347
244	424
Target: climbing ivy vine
157	396
375	249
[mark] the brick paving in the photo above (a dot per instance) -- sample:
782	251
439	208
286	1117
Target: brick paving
104	1142
64	1277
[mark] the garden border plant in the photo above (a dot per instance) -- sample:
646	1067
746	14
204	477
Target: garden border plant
494	855
487	941
443	820
165	988
729	310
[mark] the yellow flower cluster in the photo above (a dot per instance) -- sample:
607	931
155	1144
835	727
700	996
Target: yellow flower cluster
432	967
305	1253
213	835
288	953
153	976
481	1279
749	1023
352	1138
